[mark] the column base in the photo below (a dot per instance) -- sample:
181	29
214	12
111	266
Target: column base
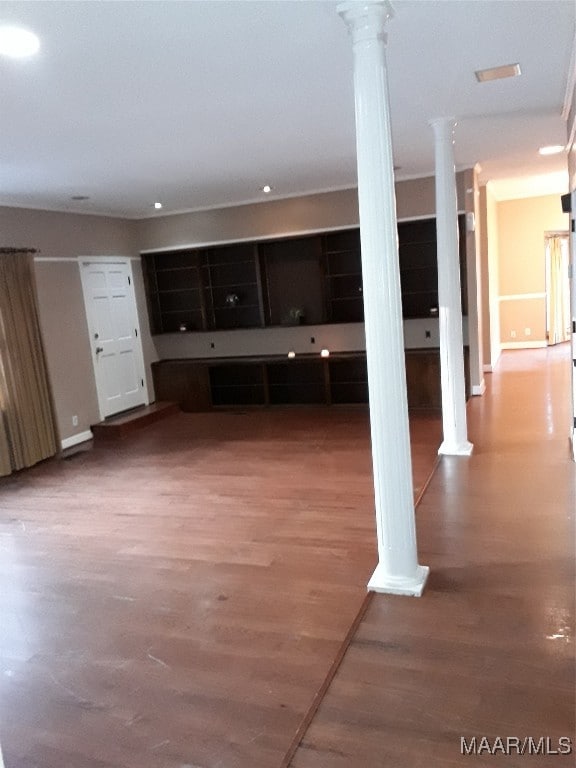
386	584
456	449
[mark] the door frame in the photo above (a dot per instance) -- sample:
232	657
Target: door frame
126	261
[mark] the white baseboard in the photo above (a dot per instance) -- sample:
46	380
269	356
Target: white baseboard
81	437
479	389
524	344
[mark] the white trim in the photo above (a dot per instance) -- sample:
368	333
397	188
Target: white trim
75	259
524	344
277	235
479	389
81	437
87	260
570	82
487	368
520	296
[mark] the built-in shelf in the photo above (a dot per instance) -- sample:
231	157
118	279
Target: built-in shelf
341	379
290	281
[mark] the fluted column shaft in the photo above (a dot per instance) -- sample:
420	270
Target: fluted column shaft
398	570
454	423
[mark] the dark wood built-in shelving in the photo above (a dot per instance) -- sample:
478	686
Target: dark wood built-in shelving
342	378
290	281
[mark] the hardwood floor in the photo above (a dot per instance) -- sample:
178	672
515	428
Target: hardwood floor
176	600
489	649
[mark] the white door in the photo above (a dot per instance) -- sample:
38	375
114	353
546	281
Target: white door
114	334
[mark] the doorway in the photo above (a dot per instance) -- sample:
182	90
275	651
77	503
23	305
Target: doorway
114	331
557	287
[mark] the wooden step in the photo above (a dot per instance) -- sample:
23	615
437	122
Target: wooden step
124	424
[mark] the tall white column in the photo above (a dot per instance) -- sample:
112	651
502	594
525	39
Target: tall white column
455	441
398	571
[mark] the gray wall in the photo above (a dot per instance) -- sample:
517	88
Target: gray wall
62	237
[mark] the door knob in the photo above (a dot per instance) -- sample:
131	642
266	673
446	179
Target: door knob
99	349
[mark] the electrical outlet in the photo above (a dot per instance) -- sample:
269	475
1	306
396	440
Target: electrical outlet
74	421
512	334
527	331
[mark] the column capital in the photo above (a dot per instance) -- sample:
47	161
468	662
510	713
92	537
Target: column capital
366	20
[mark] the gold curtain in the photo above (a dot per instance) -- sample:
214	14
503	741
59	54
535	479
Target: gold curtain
558	292
27	429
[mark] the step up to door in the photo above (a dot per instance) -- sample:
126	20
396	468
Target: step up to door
124	424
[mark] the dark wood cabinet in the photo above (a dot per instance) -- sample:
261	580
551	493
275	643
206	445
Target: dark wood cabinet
290	281
232	290
293	278
174	291
341	379
297	381
237	384
344	276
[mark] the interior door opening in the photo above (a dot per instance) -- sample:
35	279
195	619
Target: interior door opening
557	288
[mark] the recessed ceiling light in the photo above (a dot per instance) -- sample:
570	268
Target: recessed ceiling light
266	189
498	73
18	43
553	149
79	197
157	206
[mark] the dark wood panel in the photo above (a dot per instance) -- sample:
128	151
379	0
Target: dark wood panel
294	281
290	281
276	381
183	382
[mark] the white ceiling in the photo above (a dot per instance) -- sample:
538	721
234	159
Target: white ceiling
198	104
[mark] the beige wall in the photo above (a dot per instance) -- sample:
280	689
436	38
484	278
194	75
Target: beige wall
277	218
61	237
474	283
488	239
522	225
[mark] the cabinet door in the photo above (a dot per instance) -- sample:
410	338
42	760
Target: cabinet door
297	382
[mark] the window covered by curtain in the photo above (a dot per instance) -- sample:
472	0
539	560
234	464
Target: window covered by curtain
27	431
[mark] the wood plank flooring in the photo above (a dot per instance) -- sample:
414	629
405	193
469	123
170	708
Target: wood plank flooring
176	600
489	649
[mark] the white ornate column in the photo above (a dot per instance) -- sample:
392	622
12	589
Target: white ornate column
455	441
398	571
